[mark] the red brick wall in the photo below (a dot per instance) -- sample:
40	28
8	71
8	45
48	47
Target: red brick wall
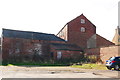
5	48
66	53
102	41
71	32
93	51
56	41
70	54
74	33
104	52
26	49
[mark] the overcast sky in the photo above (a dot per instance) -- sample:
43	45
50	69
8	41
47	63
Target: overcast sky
49	16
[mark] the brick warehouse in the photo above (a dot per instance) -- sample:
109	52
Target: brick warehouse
76	38
106	52
23	46
82	32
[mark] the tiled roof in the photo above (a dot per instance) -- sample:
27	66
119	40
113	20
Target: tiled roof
30	35
72	47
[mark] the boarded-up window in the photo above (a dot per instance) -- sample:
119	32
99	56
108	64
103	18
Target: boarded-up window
59	55
38	48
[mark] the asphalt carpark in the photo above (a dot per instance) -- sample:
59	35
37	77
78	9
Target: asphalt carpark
54	72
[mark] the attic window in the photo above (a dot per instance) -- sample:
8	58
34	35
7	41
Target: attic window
82	21
82	29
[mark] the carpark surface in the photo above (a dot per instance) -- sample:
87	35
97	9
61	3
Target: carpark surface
54	72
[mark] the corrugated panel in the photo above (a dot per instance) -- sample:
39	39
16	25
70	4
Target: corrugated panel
30	35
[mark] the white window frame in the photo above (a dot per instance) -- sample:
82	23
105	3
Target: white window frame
82	29
82	21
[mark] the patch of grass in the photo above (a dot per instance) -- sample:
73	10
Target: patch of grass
91	66
34	64
10	65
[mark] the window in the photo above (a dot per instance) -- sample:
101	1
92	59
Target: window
61	34
59	55
82	21
82	29
38	49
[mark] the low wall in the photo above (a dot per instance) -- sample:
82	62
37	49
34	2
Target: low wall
107	52
104	53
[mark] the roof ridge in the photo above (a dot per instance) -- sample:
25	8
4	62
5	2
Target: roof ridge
30	35
84	16
104	38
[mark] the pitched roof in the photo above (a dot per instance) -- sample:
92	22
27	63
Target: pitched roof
73	20
103	42
70	47
84	17
98	41
30	35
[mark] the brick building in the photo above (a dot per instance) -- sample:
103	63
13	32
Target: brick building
82	32
105	52
78	37
23	46
78	31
